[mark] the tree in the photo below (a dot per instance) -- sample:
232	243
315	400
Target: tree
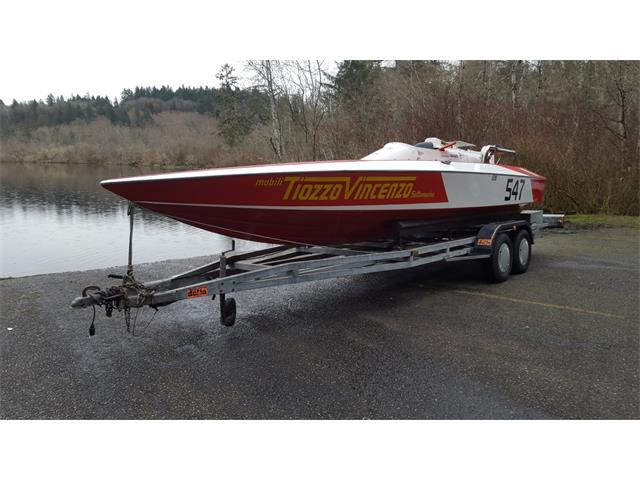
228	81
361	109
622	83
355	81
235	123
267	77
307	78
126	94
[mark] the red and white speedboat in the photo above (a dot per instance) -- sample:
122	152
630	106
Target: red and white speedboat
338	202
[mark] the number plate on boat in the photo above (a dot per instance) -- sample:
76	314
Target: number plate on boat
197	292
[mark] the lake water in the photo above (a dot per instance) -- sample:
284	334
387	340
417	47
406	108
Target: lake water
57	218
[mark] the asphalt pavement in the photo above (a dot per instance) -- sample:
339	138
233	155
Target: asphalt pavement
439	342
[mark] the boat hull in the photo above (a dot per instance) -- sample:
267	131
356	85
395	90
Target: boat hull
330	203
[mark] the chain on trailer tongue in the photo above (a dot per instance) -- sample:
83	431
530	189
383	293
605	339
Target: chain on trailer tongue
117	297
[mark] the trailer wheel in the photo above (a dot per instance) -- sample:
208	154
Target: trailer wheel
501	259
228	313
521	252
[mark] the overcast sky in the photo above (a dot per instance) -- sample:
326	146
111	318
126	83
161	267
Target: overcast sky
72	47
108	79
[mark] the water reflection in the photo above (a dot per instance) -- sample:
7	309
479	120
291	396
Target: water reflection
56	218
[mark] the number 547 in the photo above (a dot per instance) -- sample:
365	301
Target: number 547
514	189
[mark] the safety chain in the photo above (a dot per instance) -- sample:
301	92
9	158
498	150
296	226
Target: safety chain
130	283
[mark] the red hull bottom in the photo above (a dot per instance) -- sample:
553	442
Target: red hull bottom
313	227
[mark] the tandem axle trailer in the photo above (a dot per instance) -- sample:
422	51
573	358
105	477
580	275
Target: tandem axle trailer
505	247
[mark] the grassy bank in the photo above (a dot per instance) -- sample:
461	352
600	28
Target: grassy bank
171	139
590	221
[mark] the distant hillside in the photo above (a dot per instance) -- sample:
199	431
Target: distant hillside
134	109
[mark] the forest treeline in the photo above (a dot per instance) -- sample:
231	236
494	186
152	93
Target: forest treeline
135	108
576	122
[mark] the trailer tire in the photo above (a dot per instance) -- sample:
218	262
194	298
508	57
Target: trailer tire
228	315
501	260
521	252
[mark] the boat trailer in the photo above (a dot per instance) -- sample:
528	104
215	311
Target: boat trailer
235	271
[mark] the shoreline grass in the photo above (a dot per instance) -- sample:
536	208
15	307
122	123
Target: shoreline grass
601	220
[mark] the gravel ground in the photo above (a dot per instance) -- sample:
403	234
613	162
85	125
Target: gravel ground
561	341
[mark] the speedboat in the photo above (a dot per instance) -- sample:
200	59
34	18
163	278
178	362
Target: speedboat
343	201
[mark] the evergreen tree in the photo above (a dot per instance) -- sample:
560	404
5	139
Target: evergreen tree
235	123
126	94
355	81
